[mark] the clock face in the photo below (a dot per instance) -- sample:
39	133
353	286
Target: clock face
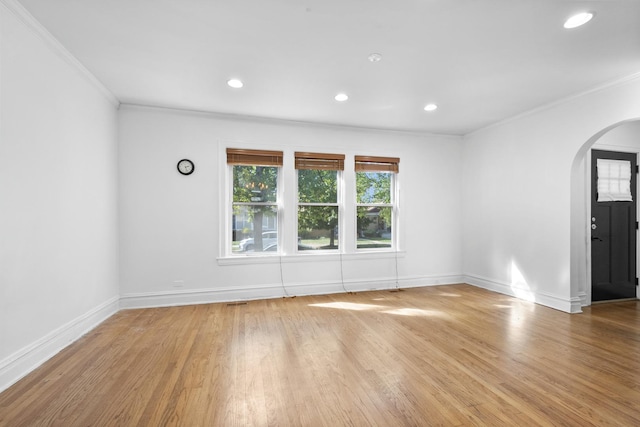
185	167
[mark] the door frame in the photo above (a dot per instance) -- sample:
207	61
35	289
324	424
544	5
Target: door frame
588	160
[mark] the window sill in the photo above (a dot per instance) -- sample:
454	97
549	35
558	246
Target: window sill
364	255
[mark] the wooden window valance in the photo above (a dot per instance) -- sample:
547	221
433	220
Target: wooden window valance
377	164
322	161
237	156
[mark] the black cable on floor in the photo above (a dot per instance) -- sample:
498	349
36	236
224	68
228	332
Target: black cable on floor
284	288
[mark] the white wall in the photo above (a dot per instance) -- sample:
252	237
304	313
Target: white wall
58	183
170	224
524	196
625	137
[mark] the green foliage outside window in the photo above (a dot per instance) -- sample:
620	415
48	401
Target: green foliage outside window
373	192
318	186
256	186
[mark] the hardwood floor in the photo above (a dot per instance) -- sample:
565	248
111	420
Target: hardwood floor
443	355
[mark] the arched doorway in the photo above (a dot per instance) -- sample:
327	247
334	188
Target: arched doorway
623	136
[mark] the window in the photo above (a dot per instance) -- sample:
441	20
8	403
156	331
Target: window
614	180
318	207
375	201
295	202
255	200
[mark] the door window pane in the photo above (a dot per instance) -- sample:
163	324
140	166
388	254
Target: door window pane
614	180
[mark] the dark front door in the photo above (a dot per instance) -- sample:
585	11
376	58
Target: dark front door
613	225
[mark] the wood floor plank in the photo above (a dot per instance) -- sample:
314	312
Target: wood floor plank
444	356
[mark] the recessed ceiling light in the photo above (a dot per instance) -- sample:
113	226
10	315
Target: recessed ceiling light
375	57
578	20
430	107
341	97
235	83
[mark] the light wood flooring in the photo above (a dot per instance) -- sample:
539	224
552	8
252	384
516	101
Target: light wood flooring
444	355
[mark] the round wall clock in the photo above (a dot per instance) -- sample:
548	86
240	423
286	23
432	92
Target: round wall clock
185	167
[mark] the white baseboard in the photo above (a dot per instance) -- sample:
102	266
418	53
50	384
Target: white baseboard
25	360
572	305
227	294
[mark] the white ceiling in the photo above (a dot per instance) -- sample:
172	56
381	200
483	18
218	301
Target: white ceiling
481	61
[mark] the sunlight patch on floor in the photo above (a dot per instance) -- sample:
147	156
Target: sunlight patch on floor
348	306
416	312
405	311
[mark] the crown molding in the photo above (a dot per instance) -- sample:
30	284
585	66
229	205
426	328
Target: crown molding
23	15
607	85
281	121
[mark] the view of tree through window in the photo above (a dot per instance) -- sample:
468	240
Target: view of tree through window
265	219
255	212
374	209
317	209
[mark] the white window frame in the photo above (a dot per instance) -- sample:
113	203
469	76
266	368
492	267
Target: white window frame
393	196
339	203
228	242
287	211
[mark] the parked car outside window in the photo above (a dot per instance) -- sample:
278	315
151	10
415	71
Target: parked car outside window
269	243
268	238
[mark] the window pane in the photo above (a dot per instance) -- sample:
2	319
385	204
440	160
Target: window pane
614	180
374	227
247	221
317	186
373	187
317	227
255	183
